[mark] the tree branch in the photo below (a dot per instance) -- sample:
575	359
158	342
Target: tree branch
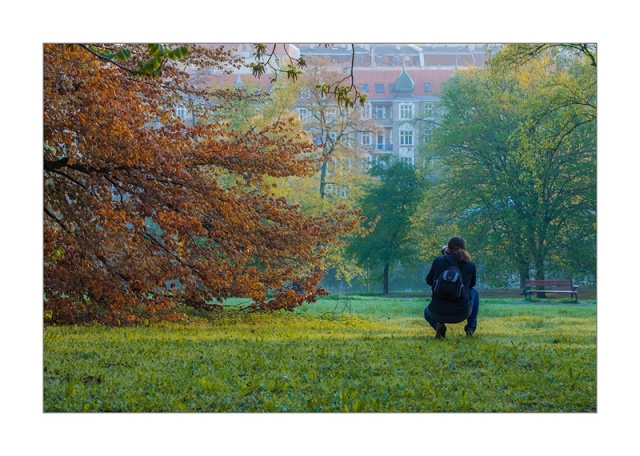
57	220
106	59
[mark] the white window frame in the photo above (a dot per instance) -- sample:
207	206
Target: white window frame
406	111
406	136
366	111
428	132
407	160
428	110
303	114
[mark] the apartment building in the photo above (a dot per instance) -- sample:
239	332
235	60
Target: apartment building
402	82
404	104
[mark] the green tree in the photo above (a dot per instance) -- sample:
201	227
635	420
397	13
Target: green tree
515	55
390	202
516	151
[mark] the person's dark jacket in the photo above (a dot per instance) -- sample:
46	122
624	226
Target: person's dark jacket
446	311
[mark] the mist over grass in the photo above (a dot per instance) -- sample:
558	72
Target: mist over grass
355	354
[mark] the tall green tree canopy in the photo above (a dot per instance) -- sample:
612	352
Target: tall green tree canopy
390	202
517	151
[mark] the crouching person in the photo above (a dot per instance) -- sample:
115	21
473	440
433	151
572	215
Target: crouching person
453	299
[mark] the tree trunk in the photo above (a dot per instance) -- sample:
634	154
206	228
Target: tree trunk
323	176
540	273
385	280
523	269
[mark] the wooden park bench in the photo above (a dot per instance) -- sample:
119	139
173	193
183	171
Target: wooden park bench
542	286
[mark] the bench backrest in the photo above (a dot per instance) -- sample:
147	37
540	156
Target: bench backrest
550	283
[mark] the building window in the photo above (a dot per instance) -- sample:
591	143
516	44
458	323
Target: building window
406	111
379	88
427	87
366	139
392	88
181	111
379	112
406	138
305	94
366	111
365	88
406	135
428	133
331	114
428	110
303	113
380	141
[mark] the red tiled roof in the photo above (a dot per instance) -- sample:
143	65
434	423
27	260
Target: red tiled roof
221	80
388	76
434	78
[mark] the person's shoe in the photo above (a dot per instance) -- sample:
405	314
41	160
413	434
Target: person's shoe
441	329
469	332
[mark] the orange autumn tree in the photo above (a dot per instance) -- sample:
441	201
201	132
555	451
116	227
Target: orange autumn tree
143	212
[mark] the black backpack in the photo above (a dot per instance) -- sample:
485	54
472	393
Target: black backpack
449	285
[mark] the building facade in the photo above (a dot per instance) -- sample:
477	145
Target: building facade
404	104
402	82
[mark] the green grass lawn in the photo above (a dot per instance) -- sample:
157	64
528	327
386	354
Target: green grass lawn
361	354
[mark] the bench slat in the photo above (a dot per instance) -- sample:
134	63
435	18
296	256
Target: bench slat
548	282
539	286
551	291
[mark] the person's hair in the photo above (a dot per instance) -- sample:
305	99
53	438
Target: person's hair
458	248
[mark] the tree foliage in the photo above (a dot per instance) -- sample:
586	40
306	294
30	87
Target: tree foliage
515	55
143	212
390	202
335	128
334	149
344	89
517	151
